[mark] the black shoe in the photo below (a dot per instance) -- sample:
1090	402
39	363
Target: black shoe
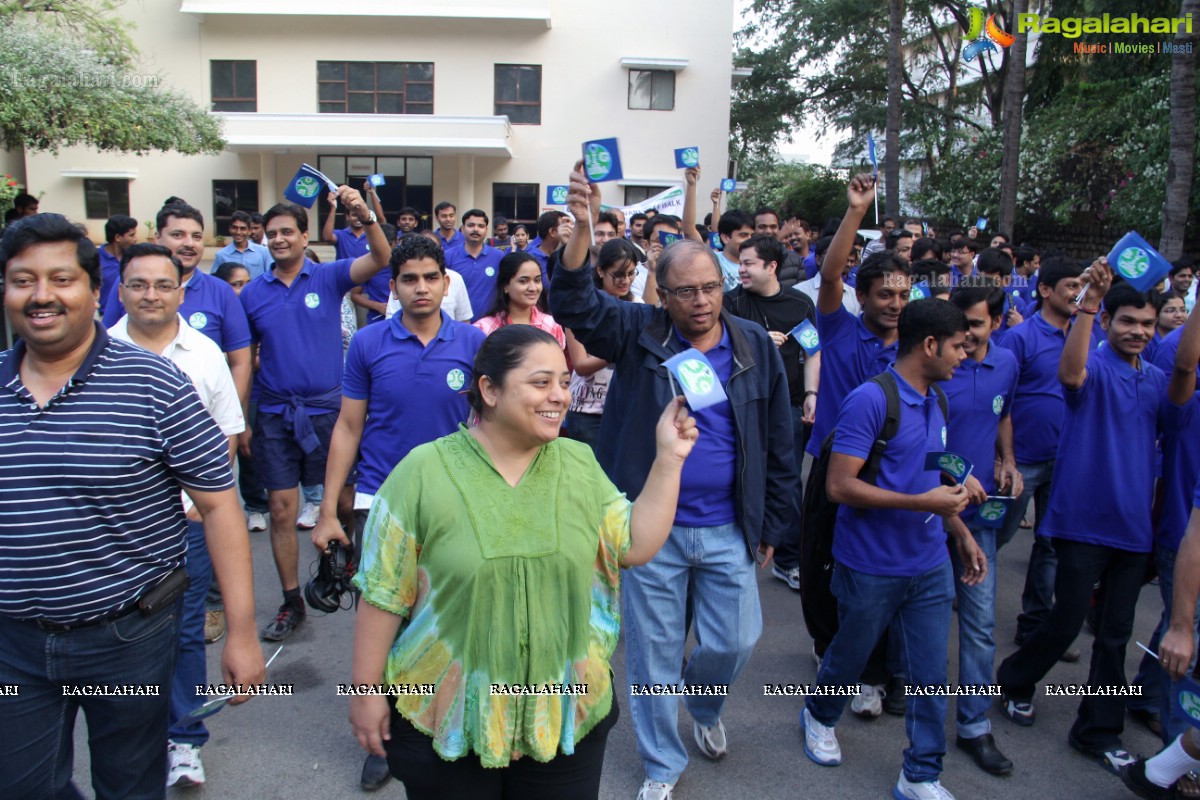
1115	759
983	749
1148	718
375	773
1135	778
895	696
286	621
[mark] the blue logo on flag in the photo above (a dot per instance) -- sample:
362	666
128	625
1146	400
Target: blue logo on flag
806	334
1138	263
556	195
376	180
714	241
993	511
981	224
920	291
697	378
687	157
1187	698
668	239
602	160
952	464
871	153
306	185
728	185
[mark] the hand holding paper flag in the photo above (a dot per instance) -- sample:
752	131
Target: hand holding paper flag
306	185
602	160
728	185
806	335
1137	262
698	379
686	157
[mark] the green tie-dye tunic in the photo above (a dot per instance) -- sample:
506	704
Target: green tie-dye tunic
498	585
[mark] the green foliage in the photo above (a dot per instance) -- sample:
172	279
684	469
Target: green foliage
9	188
54	94
96	24
1076	158
811	192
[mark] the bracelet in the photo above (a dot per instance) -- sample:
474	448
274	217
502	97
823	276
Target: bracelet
1083	310
812	392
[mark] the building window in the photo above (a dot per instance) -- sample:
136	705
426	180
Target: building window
519	93
516	202
409	182
231	196
234	85
369	87
636	194
103	197
652	89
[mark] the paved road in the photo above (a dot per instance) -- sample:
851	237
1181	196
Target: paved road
300	747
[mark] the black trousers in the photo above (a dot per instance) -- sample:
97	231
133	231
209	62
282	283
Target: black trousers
427	776
1100	720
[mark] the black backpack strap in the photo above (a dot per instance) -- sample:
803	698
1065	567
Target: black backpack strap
943	403
891	424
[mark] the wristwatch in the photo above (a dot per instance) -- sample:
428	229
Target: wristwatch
371	218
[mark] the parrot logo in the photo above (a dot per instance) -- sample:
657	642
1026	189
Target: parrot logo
982	38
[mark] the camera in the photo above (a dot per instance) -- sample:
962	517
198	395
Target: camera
335	568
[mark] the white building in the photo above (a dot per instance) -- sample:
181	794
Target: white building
481	102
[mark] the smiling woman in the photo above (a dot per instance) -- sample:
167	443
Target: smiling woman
467	539
520	299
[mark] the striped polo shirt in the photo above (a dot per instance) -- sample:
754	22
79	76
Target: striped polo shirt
90	517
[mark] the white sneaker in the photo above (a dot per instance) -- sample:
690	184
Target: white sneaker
820	742
929	790
183	765
711	741
309	515
655	790
256	521
868	703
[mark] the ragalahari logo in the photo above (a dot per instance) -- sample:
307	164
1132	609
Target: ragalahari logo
983	38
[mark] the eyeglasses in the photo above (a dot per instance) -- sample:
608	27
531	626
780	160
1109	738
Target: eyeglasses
141	287
621	277
688	292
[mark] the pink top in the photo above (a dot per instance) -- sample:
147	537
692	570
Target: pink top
537	318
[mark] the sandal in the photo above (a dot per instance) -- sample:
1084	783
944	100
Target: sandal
1188	786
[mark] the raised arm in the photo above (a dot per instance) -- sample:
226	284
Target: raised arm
327	228
581	196
1072	366
1183	377
691	177
373	196
654	510
377	257
860	194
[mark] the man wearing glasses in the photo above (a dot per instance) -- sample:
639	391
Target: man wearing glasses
735	493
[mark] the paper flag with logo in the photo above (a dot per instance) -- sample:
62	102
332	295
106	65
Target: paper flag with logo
728	185
602	160
377	180
668	239
307	185
714	241
556	195
920	291
871	153
1187	699
992	512
1138	262
686	157
806	334
952	464
981	224
698	379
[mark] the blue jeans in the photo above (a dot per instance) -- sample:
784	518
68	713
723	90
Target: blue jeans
976	639
191	664
787	554
919	607
1038	596
715	564
127	735
584	427
1158	691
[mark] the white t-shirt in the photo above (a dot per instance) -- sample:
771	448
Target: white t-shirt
456	303
811	286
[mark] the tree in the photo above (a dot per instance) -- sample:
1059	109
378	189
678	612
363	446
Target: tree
801	190
1182	159
54	93
894	82
1014	105
94	23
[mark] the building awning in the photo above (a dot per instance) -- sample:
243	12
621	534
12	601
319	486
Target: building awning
536	11
379	134
643	62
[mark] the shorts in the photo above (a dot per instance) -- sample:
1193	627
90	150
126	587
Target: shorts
278	458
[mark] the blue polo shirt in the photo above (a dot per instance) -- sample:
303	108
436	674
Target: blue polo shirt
454	241
1103	481
706	484
110	275
889	541
379	289
415	393
542	259
1180	455
479	274
90	516
347	245
298	329
850	356
1037	409
209	305
255	258
980	395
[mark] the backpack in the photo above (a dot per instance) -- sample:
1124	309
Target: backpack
819	517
